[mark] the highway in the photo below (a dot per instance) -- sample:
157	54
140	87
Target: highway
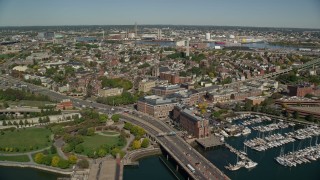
182	152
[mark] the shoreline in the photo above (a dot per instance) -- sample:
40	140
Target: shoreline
38	167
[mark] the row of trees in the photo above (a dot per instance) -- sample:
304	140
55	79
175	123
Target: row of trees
137	144
116	82
15	123
123	99
55	160
296	115
13	95
137	131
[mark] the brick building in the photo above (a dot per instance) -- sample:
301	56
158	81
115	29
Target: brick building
189	121
174	78
255	100
300	90
240	96
156	106
65	104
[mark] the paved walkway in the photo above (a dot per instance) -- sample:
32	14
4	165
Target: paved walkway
131	138
110	135
58	144
26	153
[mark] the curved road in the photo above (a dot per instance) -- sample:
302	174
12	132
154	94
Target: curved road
175	145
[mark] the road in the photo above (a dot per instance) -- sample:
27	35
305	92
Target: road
175	145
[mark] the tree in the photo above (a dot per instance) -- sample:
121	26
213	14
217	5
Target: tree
295	115
102	152
67	148
40	120
310	118
47	160
63	164
83	163
72	159
26	122
115	117
39	158
79	148
145	143
55	161
53	149
103	117
136	144
5	105
21	123
248	106
90	131
4	123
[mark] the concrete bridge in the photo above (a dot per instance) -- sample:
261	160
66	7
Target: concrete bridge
177	149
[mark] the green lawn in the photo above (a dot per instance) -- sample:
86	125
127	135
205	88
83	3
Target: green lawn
94	142
25	140
21	158
110	133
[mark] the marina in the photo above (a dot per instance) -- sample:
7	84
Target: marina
268	135
299	157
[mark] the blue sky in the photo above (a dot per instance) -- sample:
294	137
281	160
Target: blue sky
265	13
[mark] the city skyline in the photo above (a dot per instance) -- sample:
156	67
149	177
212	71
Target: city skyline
294	13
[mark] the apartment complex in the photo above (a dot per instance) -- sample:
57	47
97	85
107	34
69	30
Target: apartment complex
189	121
146	86
301	90
110	92
156	106
166	90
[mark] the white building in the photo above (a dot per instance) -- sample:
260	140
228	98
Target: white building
207	36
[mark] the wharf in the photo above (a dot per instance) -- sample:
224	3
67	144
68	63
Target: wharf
210	142
237	152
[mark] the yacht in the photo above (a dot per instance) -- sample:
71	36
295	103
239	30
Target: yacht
246	131
233	167
250	165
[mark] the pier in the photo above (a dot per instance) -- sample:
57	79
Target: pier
237	152
210	142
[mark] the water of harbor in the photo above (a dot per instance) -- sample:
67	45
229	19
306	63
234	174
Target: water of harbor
149	168
268	168
15	173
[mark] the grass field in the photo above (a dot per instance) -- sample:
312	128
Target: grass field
110	133
21	158
94	142
27	139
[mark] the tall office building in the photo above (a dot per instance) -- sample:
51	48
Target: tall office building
207	36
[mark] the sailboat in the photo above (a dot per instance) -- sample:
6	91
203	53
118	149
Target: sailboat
244	152
235	167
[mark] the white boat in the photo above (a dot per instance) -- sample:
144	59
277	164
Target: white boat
224	133
250	165
233	167
246	131
237	135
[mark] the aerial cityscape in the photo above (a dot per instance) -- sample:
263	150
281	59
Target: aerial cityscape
163	90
